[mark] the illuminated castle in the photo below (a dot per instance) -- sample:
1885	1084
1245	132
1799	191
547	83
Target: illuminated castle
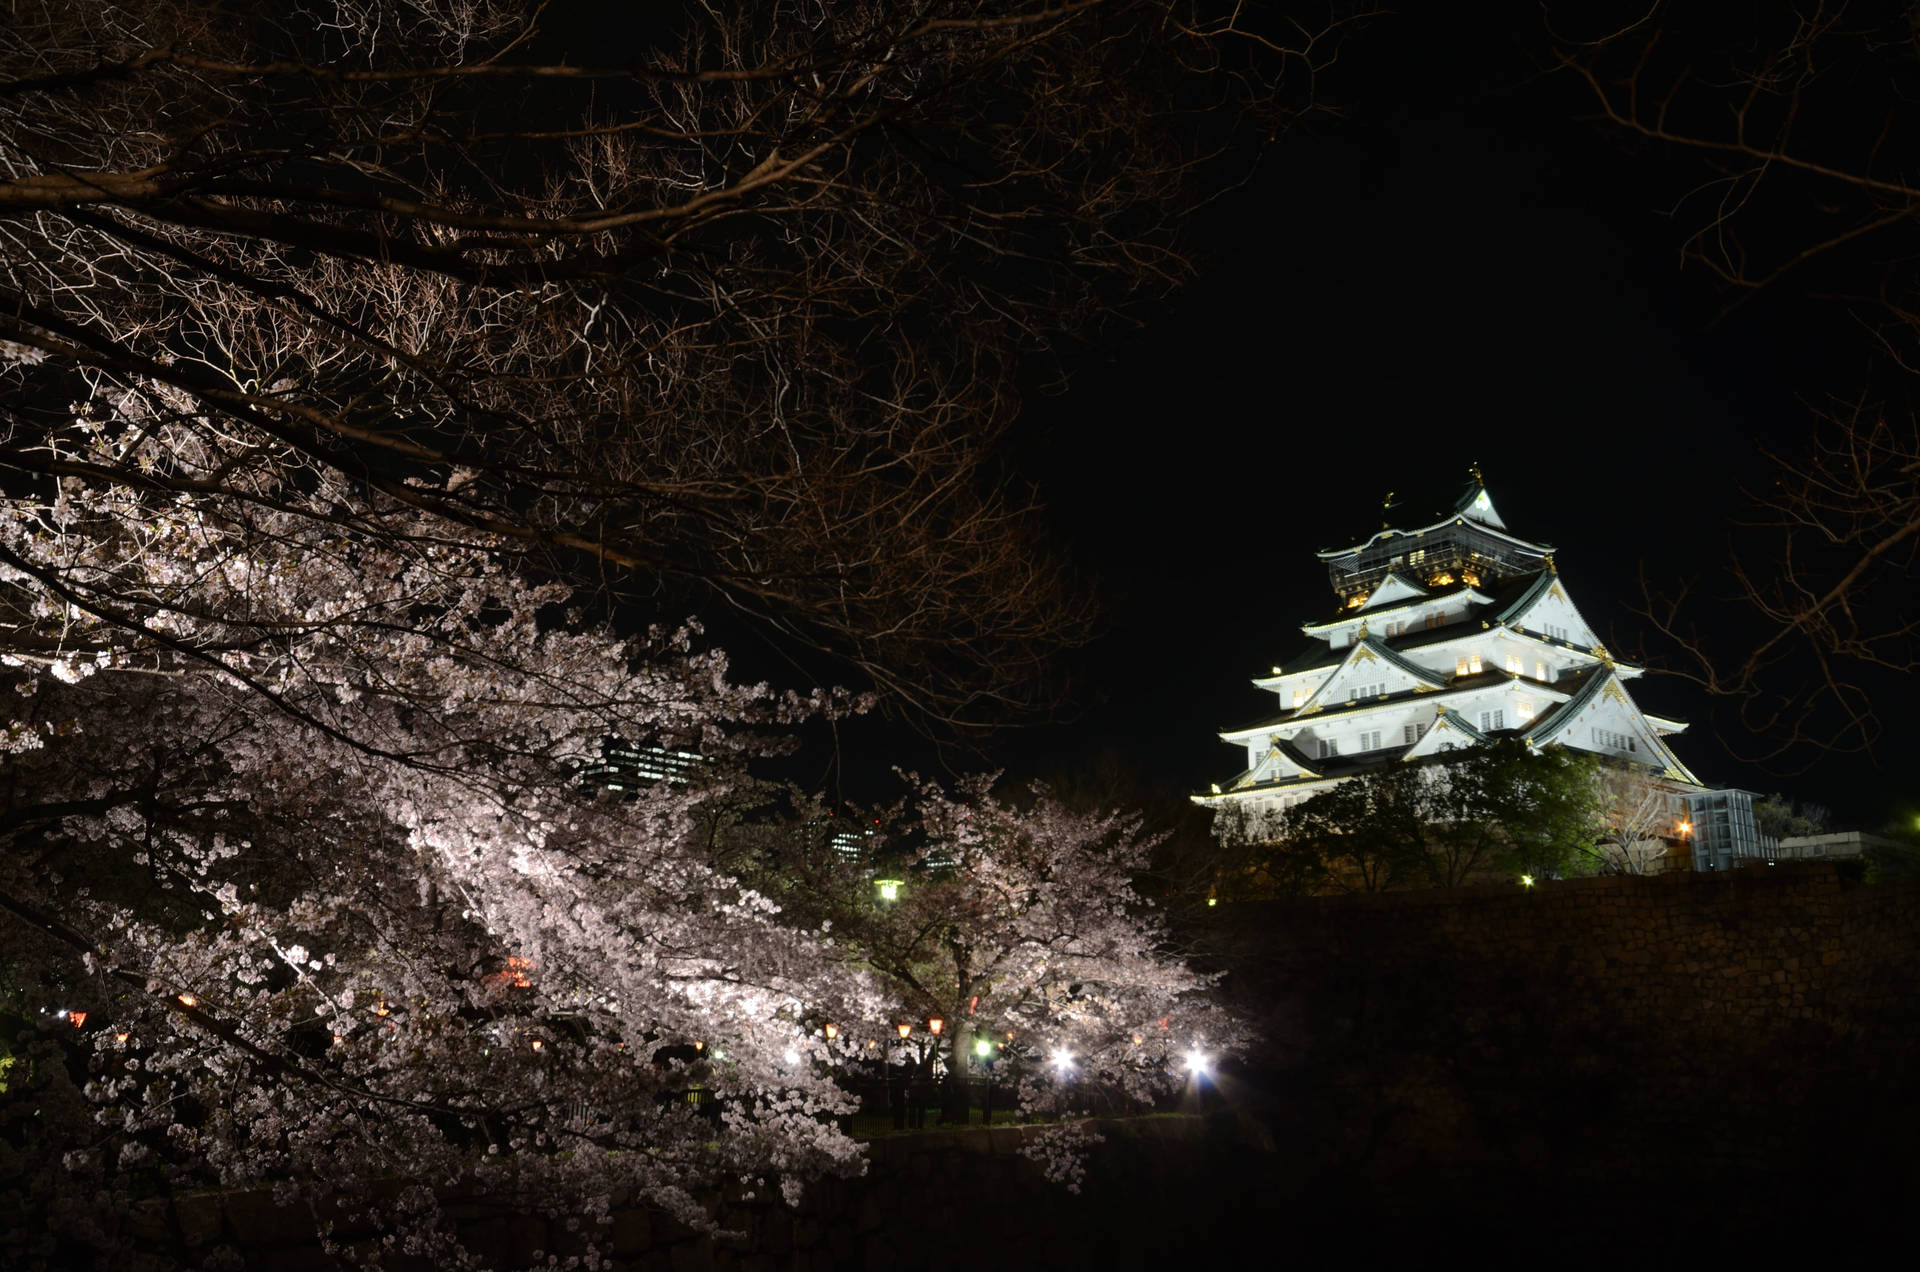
1447	635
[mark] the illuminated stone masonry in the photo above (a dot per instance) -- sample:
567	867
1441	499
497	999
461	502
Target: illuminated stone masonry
1445	636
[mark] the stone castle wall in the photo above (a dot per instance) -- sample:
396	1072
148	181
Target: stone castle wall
1157	1189
1751	1023
1724	1047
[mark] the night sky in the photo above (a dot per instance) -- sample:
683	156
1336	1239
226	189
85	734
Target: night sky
1459	269
1462	270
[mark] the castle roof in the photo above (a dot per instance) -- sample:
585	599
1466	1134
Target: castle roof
1473	505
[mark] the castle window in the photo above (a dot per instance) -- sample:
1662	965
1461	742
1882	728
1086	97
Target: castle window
1328	748
1473	663
1493	720
1540	672
1516	665
1413	733
1370	741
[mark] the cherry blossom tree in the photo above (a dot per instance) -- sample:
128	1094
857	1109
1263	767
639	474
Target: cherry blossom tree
291	838
355	360
1018	925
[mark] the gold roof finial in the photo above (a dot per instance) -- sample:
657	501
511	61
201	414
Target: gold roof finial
1474	469
1386	506
1551	567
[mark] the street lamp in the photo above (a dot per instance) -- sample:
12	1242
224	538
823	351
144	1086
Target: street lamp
889	888
832	1031
934	1025
906	1031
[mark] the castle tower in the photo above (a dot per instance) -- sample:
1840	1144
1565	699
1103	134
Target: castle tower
1445	636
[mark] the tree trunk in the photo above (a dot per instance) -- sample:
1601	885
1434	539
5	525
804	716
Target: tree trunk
953	1104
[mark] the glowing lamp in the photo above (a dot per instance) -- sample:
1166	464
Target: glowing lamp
119	1037
699	1046
1197	1064
538	1045
1526	881
832	1032
934	1024
905	1030
78	1018
1063	1060
187	1000
889	888
982	1048
791	1056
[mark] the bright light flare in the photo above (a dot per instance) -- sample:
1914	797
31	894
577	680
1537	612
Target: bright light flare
1198	1064
791	1056
1063	1060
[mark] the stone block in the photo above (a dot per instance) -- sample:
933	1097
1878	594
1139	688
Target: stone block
632	1231
977	1141
148	1221
691	1256
776	1231
199	1218
301	1258
1005	1140
256	1221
